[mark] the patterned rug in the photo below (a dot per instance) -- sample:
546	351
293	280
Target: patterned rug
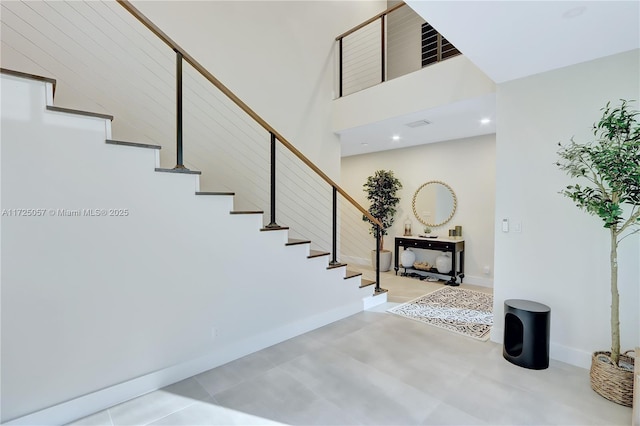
455	309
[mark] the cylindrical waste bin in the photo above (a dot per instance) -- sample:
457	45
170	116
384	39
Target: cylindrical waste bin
526	333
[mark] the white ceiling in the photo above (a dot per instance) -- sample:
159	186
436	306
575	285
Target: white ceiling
507	40
453	121
513	39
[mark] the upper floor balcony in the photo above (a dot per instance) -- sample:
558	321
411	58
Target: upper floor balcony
431	91
391	44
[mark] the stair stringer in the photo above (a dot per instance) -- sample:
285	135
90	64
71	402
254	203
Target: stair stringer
99	309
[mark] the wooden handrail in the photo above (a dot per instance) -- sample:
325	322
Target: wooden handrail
206	74
368	21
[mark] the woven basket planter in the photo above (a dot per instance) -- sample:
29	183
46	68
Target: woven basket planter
609	380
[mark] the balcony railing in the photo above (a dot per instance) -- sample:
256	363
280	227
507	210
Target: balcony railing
391	44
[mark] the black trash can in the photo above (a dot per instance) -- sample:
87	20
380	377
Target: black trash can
526	333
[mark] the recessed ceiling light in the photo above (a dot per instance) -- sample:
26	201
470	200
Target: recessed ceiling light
485	121
364	144
395	138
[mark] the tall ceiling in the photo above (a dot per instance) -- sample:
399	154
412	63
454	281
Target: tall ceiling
514	39
507	40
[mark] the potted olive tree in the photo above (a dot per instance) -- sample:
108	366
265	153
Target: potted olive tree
610	166
381	189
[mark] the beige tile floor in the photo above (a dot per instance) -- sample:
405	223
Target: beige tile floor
380	369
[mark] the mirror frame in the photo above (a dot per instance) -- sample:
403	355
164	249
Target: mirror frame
455	204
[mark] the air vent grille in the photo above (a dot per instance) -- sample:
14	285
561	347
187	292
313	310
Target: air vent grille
418	123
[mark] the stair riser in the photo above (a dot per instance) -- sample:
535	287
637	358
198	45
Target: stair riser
301	250
125	150
219	205
321	261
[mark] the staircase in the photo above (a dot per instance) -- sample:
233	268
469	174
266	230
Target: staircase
120	277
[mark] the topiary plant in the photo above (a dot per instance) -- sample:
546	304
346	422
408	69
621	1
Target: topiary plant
381	189
611	166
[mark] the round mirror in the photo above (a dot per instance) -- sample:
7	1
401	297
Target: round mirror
434	203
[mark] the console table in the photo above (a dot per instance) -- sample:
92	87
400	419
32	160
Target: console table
453	245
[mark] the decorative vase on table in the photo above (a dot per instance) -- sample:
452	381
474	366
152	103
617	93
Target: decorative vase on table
407	258
443	263
407	227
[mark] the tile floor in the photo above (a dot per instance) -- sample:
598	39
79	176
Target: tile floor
380	369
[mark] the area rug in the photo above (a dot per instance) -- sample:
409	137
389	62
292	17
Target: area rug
455	309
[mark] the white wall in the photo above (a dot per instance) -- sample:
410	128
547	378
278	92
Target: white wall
278	56
561	256
467	165
99	309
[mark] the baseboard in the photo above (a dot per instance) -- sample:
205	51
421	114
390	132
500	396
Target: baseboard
572	356
480	281
557	352
97	401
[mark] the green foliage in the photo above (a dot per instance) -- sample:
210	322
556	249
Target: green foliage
381	189
611	166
